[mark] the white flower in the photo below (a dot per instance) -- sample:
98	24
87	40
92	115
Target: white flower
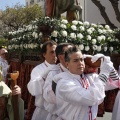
100	31
94	25
88	37
86	23
74	27
81	47
41	45
74	22
107	26
21	46
99	38
89	31
100	26
73	35
36	36
30	27
64	33
93	29
79	22
111	49
82	28
103	37
40	34
64	21
63	26
93	41
105	49
54	33
80	35
87	48
98	48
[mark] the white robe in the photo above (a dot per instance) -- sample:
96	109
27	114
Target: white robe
48	94
73	100
35	87
5	67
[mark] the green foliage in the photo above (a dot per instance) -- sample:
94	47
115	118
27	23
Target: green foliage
18	16
3	42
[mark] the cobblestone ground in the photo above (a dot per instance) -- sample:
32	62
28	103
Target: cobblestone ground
107	116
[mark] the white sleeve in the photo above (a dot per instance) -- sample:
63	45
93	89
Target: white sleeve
35	85
48	93
76	94
110	85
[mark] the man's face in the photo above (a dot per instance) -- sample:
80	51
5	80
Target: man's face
3	53
76	64
50	55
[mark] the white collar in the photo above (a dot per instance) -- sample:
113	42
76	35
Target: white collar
63	68
48	64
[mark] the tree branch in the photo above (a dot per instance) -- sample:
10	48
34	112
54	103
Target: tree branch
103	13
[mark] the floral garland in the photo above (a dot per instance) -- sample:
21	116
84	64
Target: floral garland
89	37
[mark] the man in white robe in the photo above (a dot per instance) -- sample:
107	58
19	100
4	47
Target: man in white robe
78	95
3	62
35	85
48	94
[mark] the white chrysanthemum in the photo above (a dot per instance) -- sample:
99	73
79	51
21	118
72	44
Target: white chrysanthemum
86	23
10	47
105	49
33	34
100	31
89	37
89	31
21	46
81	47
93	25
82	28
74	27
111	49
110	31
41	45
36	36
64	21
98	48
94	47
93	29
73	35
93	41
30	27
79	22
103	37
64	33
40	34
99	38
100	26
63	26
80	35
107	26
87	48
74	22
54	33
104	31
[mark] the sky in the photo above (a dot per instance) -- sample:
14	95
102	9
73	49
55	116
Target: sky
10	3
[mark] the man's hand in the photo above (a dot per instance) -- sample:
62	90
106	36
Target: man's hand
16	90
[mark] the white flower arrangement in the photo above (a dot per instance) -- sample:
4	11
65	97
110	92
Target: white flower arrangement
89	37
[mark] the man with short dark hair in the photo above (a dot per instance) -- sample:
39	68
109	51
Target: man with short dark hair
35	86
77	94
48	92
